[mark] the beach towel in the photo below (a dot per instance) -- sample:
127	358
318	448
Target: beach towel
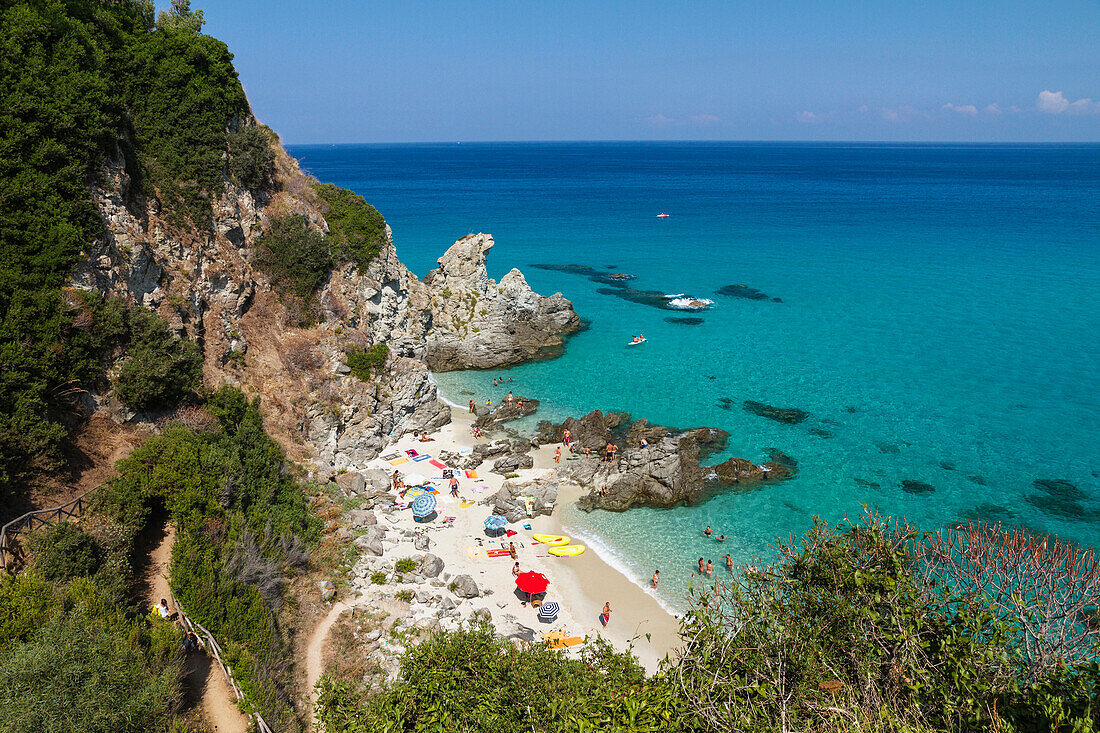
478	489
422	457
510	533
567	642
466	504
391	456
465	452
474	553
398	461
436	463
448	520
411	452
496	553
471	474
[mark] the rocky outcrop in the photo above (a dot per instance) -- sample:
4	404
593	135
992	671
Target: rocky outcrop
511	500
477	323
593	431
506	412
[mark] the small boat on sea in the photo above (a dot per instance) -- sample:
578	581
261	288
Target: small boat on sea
635	342
662	215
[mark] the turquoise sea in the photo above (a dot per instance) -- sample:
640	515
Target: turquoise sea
940	317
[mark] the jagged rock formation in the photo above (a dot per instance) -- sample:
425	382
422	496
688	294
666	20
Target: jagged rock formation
664	473
477	323
205	284
510	500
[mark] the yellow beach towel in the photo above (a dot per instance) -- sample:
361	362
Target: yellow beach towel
398	461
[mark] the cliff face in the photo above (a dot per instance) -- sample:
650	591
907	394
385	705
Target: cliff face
477	323
205	283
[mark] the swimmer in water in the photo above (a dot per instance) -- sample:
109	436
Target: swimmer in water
710	567
701	566
707	532
729	563
722	538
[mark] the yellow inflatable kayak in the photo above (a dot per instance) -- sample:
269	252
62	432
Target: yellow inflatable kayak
550	539
567	551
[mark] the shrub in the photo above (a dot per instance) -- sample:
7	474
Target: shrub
364	361
357	231
404	595
294	255
251	156
64	551
378	578
161	371
405	565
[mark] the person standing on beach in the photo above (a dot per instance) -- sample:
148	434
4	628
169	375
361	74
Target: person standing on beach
472	407
606	616
454	486
509	398
656	579
557	455
512	551
565	435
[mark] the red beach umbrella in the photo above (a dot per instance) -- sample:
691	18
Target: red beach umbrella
532	582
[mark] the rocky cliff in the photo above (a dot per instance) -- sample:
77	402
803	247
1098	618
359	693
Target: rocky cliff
477	323
207	285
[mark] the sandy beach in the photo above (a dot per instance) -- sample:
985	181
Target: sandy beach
580	585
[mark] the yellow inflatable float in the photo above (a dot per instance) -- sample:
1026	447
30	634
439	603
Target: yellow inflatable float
567	551
550	539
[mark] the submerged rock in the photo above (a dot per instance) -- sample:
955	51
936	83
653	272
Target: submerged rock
684	320
477	323
1060	488
916	487
743	291
821	432
888	448
787	415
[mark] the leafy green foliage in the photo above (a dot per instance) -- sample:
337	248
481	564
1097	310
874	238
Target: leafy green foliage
364	361
88	668
64	551
405	565
294	255
470	680
239	515
357	231
251	156
162	370
81	81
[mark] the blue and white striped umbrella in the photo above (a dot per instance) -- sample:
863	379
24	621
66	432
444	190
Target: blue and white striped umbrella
423	505
495	521
548	611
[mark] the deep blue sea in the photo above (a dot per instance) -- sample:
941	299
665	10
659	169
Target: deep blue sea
939	317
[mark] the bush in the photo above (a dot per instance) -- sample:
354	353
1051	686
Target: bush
294	255
405	565
364	361
378	578
404	595
162	371
470	680
357	232
64	551
251	157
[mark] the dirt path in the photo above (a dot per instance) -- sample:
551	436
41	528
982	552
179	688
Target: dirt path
315	652
207	688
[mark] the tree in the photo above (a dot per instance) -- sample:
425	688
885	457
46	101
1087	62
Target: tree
181	18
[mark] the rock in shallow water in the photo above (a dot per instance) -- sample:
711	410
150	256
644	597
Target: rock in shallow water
743	291
916	487
786	415
684	321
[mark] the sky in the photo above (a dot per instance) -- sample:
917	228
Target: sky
473	70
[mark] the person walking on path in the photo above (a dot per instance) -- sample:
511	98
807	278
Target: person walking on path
606	615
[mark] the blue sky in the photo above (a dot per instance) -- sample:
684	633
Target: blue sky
411	70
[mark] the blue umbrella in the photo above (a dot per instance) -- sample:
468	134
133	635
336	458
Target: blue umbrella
548	611
495	521
423	505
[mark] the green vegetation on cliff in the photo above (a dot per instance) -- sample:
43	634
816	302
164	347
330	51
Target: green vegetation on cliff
356	231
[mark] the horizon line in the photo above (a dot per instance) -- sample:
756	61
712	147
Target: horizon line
696	141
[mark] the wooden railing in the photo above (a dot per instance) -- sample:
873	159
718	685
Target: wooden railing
38	518
73	509
214	649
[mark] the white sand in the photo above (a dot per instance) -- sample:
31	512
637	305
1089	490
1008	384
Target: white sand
580	585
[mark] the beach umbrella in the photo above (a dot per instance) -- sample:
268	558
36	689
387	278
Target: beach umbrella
495	522
548	612
415	479
423	505
532	582
415	491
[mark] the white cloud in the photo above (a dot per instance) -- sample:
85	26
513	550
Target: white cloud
963	109
704	119
807	116
1056	103
902	113
660	120
993	109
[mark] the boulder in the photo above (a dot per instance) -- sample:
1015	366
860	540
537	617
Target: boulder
513	463
351	481
328	590
431	566
506	411
593	431
511	629
509	500
360	518
422	542
465	587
